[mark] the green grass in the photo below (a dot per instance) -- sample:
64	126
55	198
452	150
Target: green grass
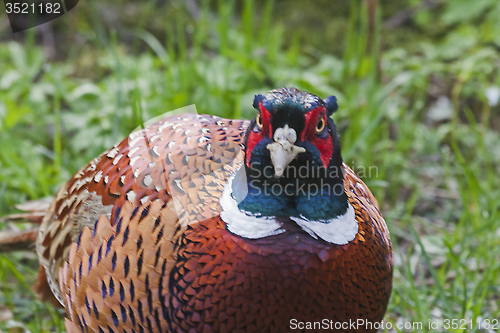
437	169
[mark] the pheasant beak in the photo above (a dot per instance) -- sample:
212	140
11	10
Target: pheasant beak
283	151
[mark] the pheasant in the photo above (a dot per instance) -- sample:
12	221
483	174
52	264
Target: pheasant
202	224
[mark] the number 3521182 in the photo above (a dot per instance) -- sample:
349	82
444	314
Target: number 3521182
33	8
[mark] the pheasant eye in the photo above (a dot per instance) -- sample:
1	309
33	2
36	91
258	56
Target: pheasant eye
320	125
258	120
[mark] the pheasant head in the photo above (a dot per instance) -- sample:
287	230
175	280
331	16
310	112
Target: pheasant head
293	164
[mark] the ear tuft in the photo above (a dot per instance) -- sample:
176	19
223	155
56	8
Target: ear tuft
331	104
257	100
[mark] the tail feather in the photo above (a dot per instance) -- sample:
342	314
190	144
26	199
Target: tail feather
40	205
24	240
15	240
34	217
34	212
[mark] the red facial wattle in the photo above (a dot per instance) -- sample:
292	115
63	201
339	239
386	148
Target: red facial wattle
324	145
255	137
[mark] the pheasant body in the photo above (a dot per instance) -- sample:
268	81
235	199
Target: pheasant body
136	241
